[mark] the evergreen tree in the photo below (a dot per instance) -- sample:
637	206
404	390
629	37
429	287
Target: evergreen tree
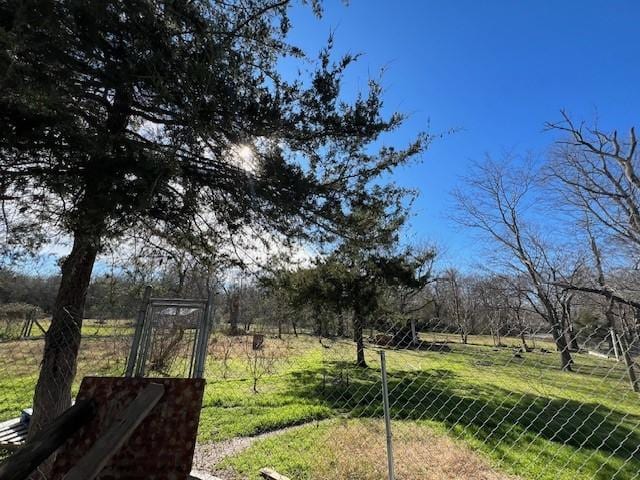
366	262
169	118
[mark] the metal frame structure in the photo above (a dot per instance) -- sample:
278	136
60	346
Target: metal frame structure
141	344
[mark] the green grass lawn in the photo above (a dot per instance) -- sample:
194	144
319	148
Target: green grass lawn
92	327
523	416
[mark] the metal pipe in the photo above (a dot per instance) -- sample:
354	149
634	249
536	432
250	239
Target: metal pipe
177	301
135	344
145	342
203	338
387	415
614	342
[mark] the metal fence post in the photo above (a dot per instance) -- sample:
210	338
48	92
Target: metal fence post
135	344
614	342
387	415
203	338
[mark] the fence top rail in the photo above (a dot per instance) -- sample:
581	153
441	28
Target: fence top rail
156	305
199	301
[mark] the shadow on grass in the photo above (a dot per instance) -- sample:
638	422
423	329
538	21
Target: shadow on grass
492	415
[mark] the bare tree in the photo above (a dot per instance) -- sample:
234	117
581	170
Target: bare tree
600	175
234	295
494	292
409	300
516	297
461	302
260	361
614	336
221	349
596	173
494	200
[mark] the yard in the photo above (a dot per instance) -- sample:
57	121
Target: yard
475	412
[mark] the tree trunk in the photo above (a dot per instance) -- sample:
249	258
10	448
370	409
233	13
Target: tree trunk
182	276
341	326
628	361
414	333
561	344
358	334
62	340
317	329
567	322
627	329
574	346
324	325
234	312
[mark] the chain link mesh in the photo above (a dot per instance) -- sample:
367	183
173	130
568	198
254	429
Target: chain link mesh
477	403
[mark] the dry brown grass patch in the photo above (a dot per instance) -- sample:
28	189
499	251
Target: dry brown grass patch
358	452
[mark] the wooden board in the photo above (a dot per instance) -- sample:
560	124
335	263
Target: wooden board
270	474
13	434
47	441
160	448
110	442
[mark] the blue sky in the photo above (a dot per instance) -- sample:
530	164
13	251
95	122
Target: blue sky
496	70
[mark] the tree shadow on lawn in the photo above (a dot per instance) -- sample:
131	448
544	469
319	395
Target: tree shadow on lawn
493	415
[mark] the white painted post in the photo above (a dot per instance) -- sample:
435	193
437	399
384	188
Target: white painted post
614	341
387	415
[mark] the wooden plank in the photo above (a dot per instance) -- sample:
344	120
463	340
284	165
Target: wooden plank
30	327
13	432
8	431
108	444
19	432
14	441
8	423
270	474
12	444
25	327
195	475
39	326
22	463
598	354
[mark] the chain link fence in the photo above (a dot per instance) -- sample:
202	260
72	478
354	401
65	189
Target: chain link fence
492	405
481	403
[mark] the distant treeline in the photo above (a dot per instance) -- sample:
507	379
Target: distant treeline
107	296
